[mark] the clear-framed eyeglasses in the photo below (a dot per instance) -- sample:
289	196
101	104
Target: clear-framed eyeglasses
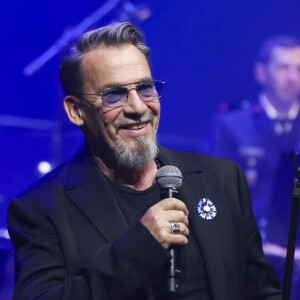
116	96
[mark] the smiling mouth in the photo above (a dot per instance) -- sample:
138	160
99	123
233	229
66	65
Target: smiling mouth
135	126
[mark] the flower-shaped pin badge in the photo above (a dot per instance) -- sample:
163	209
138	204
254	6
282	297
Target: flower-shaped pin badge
206	209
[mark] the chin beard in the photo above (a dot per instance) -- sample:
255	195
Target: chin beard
139	156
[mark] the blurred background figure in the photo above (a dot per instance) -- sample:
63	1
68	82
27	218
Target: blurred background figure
260	136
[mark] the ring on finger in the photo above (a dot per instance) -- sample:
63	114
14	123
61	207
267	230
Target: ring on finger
175	227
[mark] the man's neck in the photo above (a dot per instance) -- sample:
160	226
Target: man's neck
289	111
135	178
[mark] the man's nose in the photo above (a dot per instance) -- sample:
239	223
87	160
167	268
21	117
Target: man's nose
134	104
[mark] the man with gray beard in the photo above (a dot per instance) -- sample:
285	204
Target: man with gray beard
96	227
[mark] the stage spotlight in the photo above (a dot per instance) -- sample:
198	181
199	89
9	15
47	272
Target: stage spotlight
4	234
44	167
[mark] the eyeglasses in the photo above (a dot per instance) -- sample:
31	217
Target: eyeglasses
116	96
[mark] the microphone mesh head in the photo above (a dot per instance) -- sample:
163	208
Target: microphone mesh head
169	177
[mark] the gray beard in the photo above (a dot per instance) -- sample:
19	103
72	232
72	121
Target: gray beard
139	156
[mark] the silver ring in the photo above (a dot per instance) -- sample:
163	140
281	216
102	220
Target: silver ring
175	226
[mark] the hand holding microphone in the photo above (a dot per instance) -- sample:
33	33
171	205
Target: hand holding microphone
168	223
159	218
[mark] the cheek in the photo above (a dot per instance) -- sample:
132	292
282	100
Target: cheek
154	107
109	118
277	80
106	125
157	114
156	111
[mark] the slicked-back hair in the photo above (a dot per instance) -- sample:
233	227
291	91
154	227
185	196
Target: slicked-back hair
116	34
283	41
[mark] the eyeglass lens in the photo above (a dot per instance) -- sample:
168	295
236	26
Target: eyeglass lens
117	96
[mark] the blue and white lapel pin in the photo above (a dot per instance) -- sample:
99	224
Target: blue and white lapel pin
206	209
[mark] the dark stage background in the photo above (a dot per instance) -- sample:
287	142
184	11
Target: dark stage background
203	50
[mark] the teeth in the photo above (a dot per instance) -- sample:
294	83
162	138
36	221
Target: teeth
133	126
137	126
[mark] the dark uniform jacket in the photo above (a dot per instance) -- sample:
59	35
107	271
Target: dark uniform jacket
261	146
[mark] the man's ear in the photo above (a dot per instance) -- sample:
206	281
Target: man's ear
260	73
73	110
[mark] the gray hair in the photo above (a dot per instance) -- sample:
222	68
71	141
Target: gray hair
116	34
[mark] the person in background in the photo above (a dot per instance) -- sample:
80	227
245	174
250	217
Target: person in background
96	227
261	136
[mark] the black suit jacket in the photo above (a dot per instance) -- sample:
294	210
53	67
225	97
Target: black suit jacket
73	242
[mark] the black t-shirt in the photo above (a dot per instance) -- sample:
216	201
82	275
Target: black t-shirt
193	281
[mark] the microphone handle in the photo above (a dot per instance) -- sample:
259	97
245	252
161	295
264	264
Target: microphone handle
174	271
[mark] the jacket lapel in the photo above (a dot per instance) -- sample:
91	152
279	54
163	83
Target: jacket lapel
206	231
87	188
85	185
194	187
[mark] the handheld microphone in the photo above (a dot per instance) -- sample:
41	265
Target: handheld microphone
170	179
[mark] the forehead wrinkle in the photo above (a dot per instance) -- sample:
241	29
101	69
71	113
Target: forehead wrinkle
109	60
115	70
114	65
